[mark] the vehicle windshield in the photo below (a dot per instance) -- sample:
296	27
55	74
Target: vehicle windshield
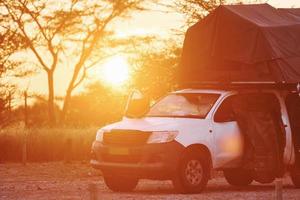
192	105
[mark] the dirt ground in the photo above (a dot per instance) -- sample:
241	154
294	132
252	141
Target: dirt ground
71	181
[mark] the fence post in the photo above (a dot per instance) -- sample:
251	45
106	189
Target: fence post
278	189
9	106
68	150
24	147
26	109
93	191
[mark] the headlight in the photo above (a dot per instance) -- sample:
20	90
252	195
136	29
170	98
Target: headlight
99	135
162	136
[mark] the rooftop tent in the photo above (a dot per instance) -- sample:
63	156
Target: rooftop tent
243	43
294	12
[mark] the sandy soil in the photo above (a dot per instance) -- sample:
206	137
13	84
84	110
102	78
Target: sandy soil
71	181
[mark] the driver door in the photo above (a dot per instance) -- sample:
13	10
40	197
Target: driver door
228	139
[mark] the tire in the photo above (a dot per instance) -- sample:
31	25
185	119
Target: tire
238	177
120	183
295	177
192	173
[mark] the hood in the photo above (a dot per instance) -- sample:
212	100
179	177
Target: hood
197	129
153	124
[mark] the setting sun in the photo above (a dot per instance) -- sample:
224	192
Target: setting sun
116	71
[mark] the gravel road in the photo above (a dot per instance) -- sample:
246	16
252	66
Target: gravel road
57	180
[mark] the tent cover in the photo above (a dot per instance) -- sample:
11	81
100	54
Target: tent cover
243	43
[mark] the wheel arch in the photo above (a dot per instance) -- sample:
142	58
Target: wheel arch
202	149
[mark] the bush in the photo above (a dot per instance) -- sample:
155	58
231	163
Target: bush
46	144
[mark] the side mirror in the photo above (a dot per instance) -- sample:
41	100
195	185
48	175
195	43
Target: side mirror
137	105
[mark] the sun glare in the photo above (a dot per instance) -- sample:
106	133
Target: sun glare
116	71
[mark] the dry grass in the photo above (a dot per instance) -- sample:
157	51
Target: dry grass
46	144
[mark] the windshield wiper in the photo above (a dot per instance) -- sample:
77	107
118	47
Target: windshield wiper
189	116
177	116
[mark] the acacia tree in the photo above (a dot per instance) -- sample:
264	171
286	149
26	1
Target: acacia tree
194	10
155	67
65	33
10	42
94	39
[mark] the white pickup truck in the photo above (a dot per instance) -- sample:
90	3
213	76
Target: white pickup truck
188	133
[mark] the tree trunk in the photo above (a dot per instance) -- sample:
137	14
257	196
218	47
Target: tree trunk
66	105
51	114
71	87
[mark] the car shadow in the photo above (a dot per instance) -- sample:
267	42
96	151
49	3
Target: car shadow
211	188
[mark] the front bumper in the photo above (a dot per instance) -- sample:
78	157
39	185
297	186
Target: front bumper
153	161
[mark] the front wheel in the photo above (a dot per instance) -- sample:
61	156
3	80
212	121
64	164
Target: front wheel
120	183
238	177
193	173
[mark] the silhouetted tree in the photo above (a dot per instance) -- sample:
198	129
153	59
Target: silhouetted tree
36	115
3	110
97	105
10	42
5	107
155	69
109	11
194	10
65	33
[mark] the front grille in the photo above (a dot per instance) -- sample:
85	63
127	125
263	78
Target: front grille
121	158
125	138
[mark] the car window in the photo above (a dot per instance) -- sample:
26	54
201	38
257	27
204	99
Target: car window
184	105
225	111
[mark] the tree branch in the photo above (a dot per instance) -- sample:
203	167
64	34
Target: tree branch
26	37
81	78
42	30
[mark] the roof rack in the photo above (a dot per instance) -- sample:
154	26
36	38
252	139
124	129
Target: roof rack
242	85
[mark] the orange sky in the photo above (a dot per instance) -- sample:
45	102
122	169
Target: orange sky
284	3
151	22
